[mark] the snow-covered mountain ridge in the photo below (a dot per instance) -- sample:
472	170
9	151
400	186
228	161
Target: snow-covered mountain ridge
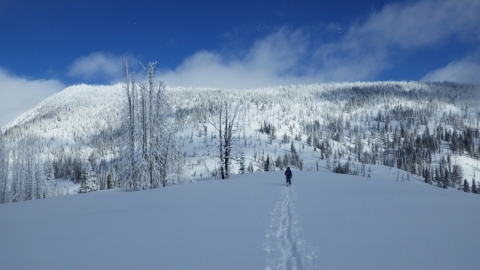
409	126
86	102
86	109
82	109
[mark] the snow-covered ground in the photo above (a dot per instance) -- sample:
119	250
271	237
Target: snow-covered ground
66	187
324	221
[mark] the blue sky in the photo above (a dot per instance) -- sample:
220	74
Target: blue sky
48	45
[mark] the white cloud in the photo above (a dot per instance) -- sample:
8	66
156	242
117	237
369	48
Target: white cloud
17	95
97	66
421	23
287	56
277	59
464	71
367	48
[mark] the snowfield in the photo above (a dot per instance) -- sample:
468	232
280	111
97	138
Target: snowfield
324	221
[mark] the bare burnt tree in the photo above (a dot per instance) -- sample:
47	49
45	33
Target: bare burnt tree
226	127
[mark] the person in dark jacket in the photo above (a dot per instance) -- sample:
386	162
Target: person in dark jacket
288	174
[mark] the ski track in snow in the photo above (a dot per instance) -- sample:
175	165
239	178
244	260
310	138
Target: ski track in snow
283	242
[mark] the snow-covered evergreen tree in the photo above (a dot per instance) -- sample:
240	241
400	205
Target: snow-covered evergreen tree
446	179
87	183
266	164
457	176
51	182
250	168
242	168
474	186
279	163
466	186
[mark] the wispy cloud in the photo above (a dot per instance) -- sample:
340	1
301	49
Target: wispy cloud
464	71
99	66
276	59
288	56
18	95
422	23
367	48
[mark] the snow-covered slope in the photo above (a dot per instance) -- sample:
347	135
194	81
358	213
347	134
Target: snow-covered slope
78	111
381	123
324	221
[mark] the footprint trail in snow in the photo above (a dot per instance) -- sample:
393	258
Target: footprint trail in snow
286	250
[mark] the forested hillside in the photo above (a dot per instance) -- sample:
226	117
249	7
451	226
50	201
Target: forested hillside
144	135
